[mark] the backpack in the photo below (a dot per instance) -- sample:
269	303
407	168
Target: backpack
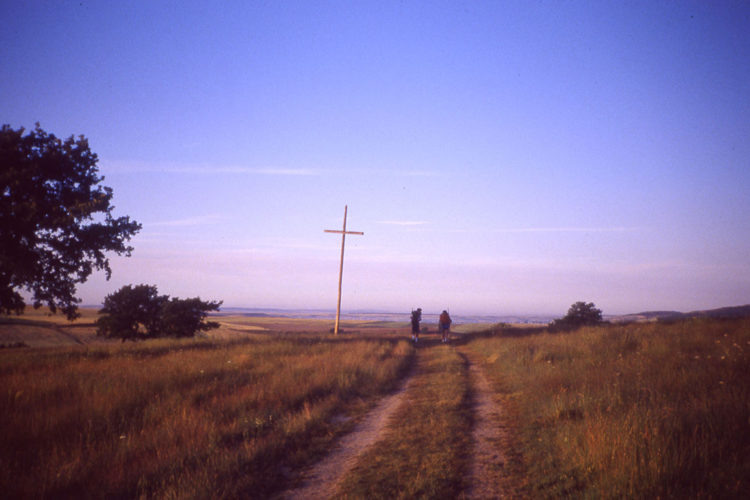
445	318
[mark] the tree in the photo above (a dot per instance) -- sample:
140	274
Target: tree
139	313
56	222
185	317
579	314
131	313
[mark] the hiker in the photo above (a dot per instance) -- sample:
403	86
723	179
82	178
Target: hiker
445	324
416	317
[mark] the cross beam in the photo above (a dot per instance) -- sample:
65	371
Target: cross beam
343	234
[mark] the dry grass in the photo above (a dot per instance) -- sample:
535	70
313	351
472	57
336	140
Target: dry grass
425	452
39	328
634	411
182	419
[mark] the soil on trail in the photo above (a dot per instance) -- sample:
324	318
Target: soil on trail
322	479
490	476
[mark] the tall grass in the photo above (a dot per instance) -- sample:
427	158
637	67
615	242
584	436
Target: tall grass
182	419
635	411
425	452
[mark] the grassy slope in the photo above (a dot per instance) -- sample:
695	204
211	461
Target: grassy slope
39	328
636	411
182	419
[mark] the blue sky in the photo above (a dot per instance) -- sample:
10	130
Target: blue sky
501	157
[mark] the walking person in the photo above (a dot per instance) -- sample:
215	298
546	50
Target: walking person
445	325
416	317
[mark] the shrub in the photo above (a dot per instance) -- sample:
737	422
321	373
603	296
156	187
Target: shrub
131	313
185	317
138	313
580	314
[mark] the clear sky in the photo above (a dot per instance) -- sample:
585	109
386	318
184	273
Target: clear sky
501	157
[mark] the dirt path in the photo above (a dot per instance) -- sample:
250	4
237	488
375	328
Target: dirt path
489	475
66	333
322	479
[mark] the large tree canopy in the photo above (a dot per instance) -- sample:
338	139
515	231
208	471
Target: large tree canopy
56	222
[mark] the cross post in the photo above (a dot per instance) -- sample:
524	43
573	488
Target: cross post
343	234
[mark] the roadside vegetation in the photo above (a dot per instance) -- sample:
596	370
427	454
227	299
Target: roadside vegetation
183	418
425	451
643	410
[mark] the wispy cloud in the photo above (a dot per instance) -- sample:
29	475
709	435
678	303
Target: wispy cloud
418	173
124	167
289	171
209	170
569	229
198	220
139	167
541	230
403	222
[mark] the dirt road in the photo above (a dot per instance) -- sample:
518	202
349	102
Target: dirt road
489	474
321	481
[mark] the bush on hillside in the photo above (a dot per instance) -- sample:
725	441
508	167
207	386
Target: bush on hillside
139	313
185	317
580	314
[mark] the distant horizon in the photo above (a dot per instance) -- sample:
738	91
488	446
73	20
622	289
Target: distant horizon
468	313
435	312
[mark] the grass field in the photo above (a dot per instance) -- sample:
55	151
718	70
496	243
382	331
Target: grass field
643	410
635	411
190	419
38	328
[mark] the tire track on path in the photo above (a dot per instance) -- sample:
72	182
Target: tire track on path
322	479
489	472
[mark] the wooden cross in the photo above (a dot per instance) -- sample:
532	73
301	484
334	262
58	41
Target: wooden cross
343	233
